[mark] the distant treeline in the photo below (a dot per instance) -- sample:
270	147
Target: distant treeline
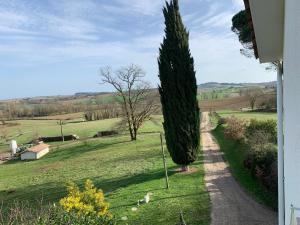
95	105
106	112
12	111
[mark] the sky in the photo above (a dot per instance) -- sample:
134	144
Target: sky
56	47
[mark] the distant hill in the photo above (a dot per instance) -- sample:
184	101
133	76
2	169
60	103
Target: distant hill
216	85
202	87
80	94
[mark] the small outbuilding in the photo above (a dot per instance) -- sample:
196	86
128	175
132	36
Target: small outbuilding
35	152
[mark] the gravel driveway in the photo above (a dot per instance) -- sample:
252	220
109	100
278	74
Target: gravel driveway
230	204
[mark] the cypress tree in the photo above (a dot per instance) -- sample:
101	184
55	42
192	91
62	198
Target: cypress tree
178	89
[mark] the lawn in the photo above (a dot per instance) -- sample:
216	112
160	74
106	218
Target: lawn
26	130
125	170
235	153
248	115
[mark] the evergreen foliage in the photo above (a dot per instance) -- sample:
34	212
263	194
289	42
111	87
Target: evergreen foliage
241	26
178	89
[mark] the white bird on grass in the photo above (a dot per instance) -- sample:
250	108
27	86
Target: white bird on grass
146	199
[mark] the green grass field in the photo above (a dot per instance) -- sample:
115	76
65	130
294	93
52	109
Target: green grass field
220	93
235	152
248	115
125	170
30	129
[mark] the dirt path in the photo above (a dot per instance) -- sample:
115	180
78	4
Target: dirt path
230	204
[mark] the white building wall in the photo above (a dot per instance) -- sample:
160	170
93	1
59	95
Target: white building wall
34	155
42	153
292	105
28	156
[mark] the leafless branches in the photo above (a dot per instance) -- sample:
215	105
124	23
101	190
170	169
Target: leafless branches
4	136
252	94
135	95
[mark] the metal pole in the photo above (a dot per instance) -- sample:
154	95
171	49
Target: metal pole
164	161
292	222
281	197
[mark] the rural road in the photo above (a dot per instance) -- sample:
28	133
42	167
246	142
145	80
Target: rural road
230	203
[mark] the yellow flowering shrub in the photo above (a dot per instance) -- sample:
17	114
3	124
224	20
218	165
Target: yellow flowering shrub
89	201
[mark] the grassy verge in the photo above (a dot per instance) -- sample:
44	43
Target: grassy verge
235	153
248	115
125	170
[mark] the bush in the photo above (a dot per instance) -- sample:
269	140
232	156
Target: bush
235	128
90	201
268	127
221	121
269	105
258	138
262	162
106	133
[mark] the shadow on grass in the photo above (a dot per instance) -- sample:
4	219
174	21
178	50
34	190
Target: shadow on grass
73	152
53	191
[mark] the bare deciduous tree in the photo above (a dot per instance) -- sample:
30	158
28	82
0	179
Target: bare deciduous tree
2	118
4	135
252	94
136	97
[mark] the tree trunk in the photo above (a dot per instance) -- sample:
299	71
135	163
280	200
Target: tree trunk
185	168
131	133
134	134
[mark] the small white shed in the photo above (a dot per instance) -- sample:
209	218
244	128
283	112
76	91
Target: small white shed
35	152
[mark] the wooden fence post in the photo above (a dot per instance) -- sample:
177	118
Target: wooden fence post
164	161
61	130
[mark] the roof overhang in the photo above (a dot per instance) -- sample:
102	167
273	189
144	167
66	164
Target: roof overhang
267	19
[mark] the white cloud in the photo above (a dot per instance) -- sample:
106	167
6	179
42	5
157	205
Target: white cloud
238	4
65	20
73	33
11	18
213	9
217	58
150	42
221	20
144	7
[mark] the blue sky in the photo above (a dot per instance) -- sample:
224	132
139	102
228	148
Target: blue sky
56	47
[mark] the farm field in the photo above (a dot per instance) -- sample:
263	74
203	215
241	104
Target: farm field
125	170
248	115
220	93
233	103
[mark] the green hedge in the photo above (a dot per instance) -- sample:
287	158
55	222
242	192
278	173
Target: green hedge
267	126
